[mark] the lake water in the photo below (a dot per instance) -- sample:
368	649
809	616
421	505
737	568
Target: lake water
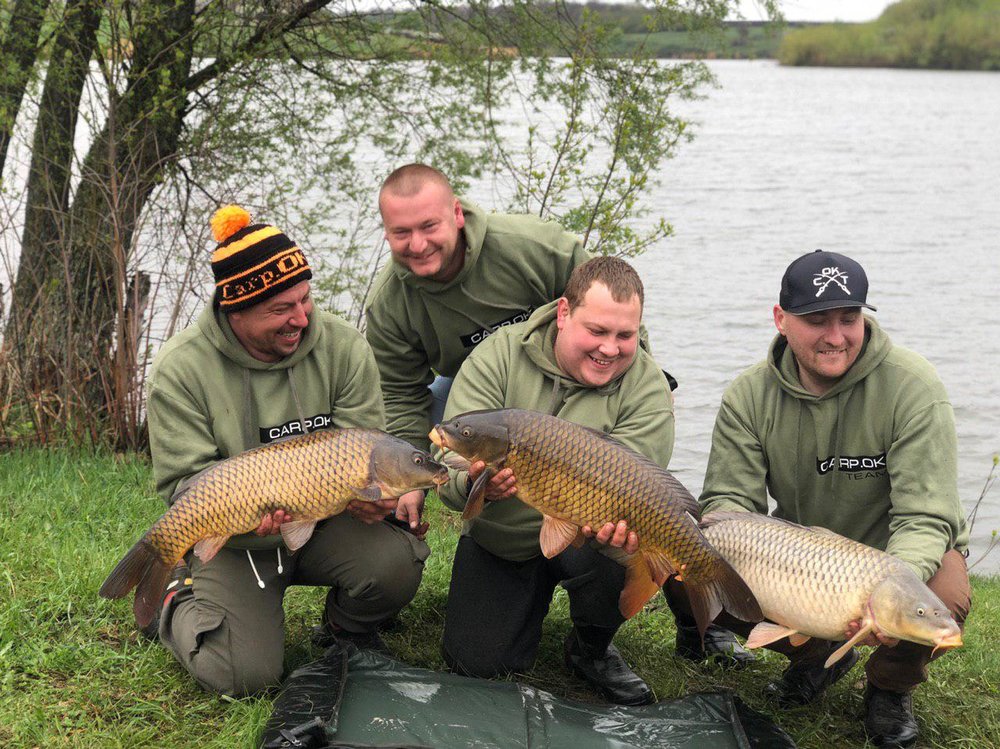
898	169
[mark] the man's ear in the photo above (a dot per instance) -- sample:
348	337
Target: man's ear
779	318
459	215
562	312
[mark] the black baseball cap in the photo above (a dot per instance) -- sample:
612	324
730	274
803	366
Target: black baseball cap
823	280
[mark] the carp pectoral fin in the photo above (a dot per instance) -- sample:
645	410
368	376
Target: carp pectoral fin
296	532
581	539
767	632
477	495
556	535
840	652
639	587
798	639
207	548
660	568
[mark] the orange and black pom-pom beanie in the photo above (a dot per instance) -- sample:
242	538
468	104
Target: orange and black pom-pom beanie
252	262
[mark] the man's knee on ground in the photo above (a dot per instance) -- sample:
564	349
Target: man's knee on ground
250	677
391	582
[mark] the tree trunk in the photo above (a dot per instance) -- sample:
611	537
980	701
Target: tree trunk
17	59
123	167
36	334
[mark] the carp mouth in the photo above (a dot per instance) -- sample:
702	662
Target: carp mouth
438	438
449	457
949	642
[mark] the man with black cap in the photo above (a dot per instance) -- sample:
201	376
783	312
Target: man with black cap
261	364
849	432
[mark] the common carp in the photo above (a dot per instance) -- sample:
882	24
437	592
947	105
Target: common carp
311	477
577	476
811	582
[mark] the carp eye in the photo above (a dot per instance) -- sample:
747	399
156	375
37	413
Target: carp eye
920	611
467	432
418	460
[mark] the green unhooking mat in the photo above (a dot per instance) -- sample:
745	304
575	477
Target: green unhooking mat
364	699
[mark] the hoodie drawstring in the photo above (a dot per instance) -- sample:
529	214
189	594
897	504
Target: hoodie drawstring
555	402
260	582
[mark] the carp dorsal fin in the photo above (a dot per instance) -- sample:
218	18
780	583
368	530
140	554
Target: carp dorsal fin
639	587
679	492
767	632
207	548
296	533
721	516
556	535
477	495
840	652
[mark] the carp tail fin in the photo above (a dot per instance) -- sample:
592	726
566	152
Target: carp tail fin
141	568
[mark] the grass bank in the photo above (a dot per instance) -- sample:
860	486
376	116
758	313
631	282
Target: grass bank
74	673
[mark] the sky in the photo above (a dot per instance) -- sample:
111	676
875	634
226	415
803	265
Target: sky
822	10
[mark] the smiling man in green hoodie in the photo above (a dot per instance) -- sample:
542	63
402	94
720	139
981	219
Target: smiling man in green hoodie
261	364
577	358
849	432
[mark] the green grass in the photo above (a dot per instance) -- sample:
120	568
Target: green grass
73	671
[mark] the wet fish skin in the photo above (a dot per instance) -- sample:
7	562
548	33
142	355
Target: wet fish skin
577	476
311	477
813	582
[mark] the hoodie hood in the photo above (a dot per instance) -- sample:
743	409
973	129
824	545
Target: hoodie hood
215	326
781	363
471	236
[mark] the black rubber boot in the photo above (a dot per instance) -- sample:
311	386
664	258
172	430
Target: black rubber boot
720	645
180	583
803	682
327	633
889	718
595	660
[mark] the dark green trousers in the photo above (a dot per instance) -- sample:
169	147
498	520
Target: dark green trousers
228	632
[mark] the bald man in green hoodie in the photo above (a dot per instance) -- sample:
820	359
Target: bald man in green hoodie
577	358
849	432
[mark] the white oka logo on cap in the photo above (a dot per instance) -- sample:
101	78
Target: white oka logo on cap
828	276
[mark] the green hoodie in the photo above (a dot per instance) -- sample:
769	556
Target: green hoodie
874	458
516	368
418	327
209	399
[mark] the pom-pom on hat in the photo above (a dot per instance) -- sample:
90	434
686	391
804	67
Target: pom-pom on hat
253	262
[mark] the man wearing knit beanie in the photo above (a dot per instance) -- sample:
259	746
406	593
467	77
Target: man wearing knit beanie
261	364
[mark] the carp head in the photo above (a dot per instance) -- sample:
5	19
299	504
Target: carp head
904	608
476	435
397	467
